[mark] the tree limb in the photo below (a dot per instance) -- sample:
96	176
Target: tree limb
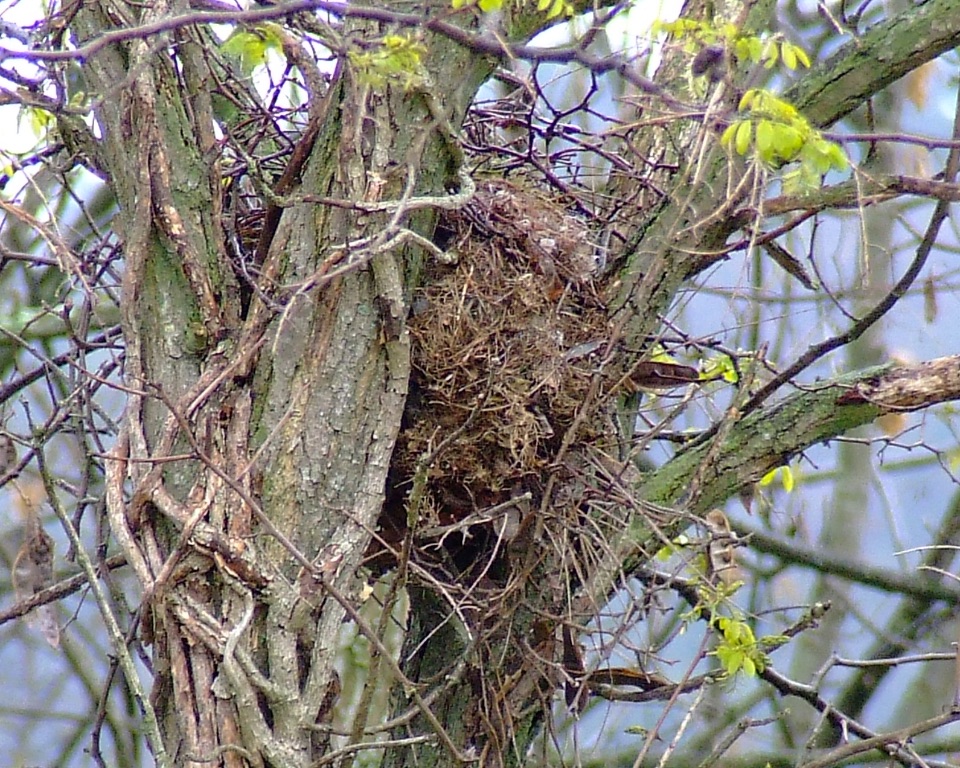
769	438
921	586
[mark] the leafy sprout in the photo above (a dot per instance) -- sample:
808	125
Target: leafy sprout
399	58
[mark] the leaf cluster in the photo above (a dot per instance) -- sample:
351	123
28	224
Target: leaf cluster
553	8
720	367
486	6
738	649
399	59
769	126
754	49
252	46
778	134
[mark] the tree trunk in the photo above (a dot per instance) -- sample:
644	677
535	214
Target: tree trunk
293	415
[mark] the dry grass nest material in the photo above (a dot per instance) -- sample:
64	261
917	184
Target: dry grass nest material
497	340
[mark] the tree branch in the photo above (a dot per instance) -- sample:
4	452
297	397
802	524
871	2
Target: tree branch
921	586
855	193
768	438
879	57
891	743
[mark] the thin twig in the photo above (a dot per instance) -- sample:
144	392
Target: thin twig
118	641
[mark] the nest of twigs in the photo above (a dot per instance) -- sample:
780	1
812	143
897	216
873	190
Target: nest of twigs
501	344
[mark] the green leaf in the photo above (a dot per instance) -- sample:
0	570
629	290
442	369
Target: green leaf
558	8
787	479
731	659
791	183
728	31
800	181
823	156
787	476
755	47
809	178
731	631
399	59
679	28
660	355
744	133
251	46
771	55
727	137
762	103
248	47
39	120
789	56
765	141
720	367
787	142
838	159
738	650
793	55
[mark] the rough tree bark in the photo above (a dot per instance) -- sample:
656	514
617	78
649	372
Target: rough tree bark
257	442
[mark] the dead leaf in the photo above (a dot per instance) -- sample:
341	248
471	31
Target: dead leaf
659	376
8	454
32	573
721	550
790	264
929	300
917	84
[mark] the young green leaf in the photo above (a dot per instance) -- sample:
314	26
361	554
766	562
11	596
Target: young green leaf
789	56
787	142
744	133
771	55
765	141
793	55
720	367
787	479
251	46
728	134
